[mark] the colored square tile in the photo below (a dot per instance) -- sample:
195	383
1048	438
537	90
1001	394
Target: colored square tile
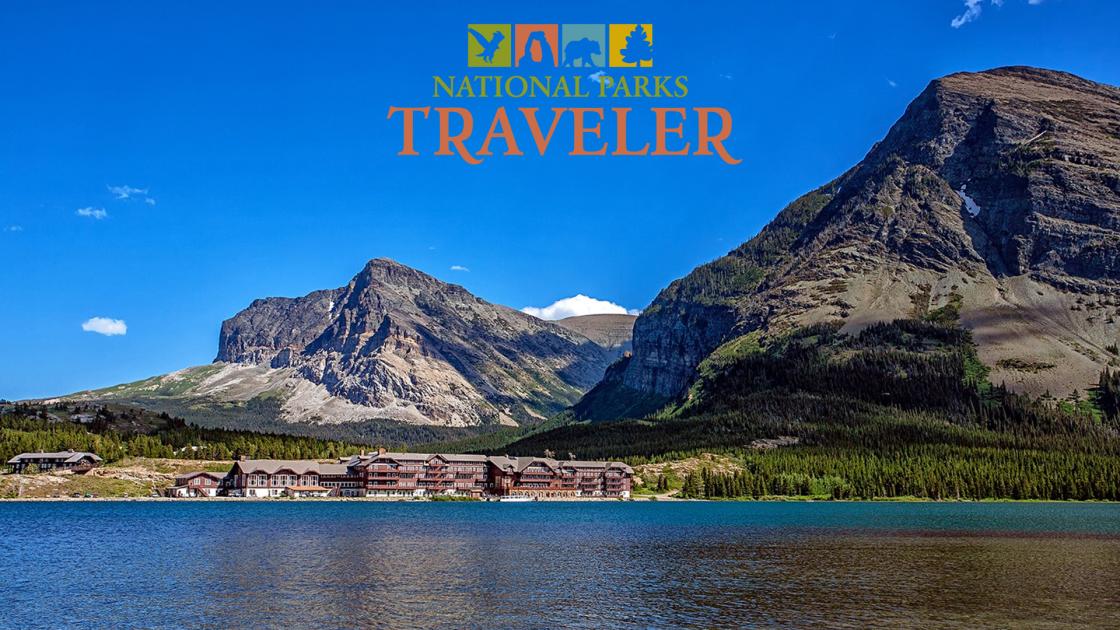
488	45
536	45
585	45
631	45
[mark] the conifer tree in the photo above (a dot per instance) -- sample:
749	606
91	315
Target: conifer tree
638	47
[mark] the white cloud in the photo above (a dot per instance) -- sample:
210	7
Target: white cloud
130	192
597	76
105	326
577	305
14	228
892	83
972	9
459	268
93	213
127	192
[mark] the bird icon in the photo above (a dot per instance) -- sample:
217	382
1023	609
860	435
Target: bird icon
489	46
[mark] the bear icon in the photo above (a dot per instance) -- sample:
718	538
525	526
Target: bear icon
581	50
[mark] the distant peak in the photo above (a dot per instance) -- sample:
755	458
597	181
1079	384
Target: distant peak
384	262
385	273
387	268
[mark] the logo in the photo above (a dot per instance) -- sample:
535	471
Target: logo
488	45
536	46
543	46
585	45
540	89
631	45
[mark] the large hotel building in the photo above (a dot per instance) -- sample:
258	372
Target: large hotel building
384	474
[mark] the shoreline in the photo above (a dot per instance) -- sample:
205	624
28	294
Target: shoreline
583	500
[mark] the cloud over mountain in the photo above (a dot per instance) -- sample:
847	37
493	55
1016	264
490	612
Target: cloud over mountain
577	305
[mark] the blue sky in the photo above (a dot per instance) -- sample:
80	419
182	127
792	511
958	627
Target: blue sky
164	164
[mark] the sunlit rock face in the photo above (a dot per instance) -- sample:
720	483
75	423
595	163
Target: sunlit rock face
404	345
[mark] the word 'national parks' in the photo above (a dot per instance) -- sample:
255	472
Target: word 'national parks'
456	129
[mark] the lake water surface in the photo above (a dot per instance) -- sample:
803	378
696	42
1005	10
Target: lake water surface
601	565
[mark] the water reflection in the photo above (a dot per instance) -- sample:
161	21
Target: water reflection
572	565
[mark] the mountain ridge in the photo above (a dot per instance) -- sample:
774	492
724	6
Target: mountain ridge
392	344
997	192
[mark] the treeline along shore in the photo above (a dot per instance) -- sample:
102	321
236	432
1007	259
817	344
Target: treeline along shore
143	452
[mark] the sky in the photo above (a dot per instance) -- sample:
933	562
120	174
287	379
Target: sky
164	164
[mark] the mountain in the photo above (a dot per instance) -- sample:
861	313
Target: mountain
994	200
394	344
610	331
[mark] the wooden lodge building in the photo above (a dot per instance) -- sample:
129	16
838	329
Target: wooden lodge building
196	484
274	478
76	461
406	475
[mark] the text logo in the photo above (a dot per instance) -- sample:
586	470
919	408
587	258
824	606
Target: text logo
536	89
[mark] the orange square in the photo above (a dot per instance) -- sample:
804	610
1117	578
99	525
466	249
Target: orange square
536	45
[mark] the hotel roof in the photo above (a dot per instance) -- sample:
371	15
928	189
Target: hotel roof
518	464
273	466
200	473
68	456
334	469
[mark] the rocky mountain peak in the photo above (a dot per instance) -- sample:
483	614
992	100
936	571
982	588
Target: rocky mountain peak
383	273
998	191
408	346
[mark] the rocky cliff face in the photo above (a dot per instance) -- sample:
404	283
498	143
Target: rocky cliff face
401	345
997	191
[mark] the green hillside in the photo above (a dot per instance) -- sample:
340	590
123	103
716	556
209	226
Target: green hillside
900	409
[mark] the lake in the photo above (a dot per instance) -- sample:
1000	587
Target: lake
595	565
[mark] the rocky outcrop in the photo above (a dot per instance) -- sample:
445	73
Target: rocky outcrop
403	345
998	191
272	325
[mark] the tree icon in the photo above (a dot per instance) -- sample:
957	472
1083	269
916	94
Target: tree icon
638	48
